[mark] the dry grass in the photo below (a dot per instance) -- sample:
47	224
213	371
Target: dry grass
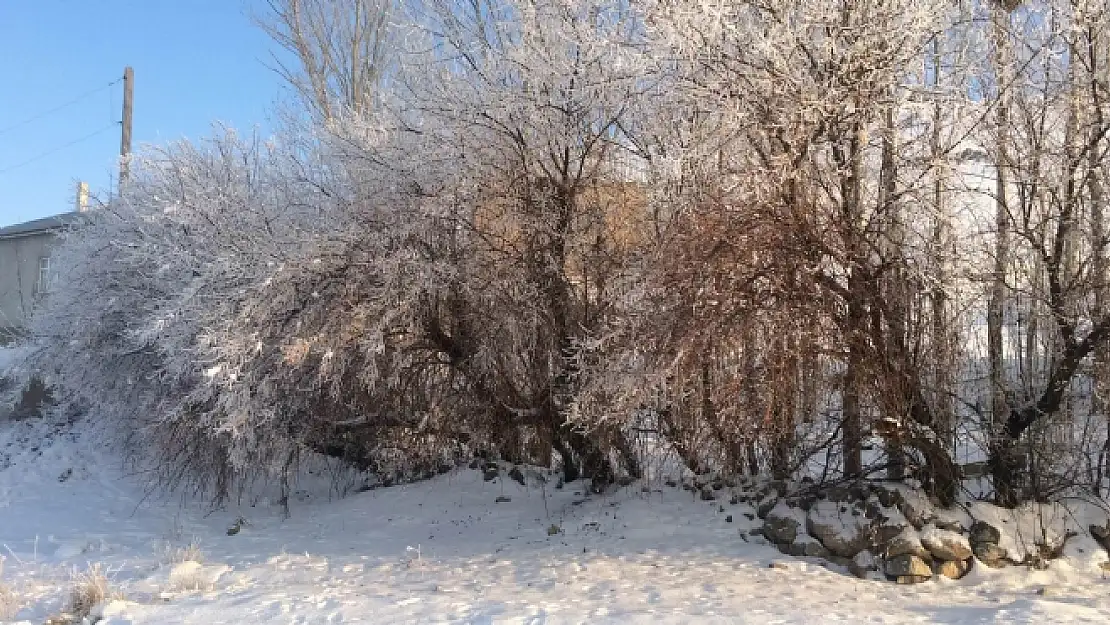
90	589
189	553
189	576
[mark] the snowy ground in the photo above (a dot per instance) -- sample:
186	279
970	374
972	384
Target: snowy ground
444	551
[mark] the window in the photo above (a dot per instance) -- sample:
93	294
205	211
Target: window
43	285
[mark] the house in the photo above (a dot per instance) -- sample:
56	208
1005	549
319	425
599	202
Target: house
25	264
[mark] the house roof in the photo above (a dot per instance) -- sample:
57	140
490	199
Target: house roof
36	226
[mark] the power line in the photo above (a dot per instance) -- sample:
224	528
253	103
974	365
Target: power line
58	149
35	118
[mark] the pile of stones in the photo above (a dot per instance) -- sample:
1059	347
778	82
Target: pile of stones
875	531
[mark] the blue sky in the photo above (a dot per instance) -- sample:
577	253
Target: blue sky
196	62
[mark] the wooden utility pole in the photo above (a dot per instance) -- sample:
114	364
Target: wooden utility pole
125	134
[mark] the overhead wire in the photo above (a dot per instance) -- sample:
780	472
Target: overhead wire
55	109
57	149
60	107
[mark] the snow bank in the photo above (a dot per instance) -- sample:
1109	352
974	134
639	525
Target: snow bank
445	551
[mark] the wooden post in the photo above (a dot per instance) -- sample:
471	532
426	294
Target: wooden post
125	134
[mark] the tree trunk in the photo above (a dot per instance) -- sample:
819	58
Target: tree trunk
1095	179
784	408
1002	452
857	320
944	361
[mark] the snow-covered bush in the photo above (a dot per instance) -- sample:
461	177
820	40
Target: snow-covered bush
750	233
405	281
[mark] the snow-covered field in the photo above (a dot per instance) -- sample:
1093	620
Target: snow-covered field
446	551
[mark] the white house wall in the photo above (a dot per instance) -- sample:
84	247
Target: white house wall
19	274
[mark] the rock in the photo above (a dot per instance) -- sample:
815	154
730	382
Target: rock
888	497
780	529
911	579
907	565
859	571
907	543
839	561
517	475
489	474
717	484
983	533
946	544
872	510
862	565
1100	533
843	536
913	514
707	494
991	555
804	548
951	526
765	508
882	535
953	569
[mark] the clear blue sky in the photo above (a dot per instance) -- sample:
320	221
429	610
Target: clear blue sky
196	62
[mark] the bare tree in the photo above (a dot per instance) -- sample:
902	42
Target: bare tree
343	50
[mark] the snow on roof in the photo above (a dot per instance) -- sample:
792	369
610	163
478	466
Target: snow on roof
38	225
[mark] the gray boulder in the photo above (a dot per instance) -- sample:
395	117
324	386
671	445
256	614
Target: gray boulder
946	544
843	535
907	566
916	515
804	548
888	497
780	529
882	535
984	533
766	507
991	555
907	544
1101	534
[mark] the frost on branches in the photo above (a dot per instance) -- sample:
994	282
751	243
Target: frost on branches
827	238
